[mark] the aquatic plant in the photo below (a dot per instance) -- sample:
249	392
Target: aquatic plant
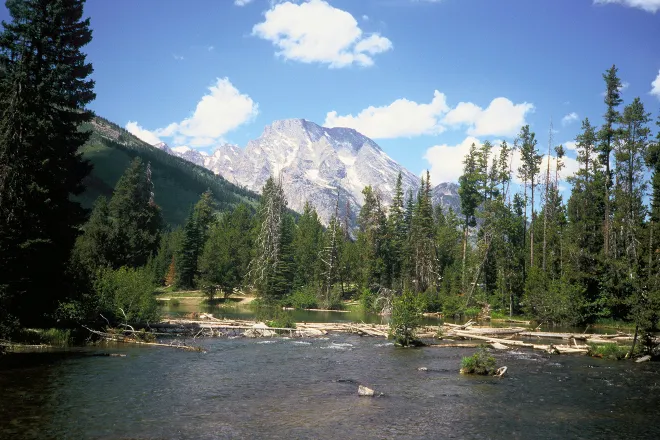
479	363
608	351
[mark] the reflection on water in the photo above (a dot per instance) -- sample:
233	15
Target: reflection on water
245	311
246	389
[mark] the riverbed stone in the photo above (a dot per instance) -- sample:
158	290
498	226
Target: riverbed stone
364	391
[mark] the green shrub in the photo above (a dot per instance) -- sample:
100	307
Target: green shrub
281	319
479	363
368	300
608	351
48	336
334	300
406	317
432	301
126	295
453	306
302	298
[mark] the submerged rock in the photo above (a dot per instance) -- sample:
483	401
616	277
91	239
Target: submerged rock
643	359
364	391
259	330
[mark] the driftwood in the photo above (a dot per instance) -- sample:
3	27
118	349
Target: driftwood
126	339
500	372
456	345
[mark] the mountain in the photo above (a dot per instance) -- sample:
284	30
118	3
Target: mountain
178	181
325	166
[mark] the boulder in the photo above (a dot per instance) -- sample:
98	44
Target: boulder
643	359
364	391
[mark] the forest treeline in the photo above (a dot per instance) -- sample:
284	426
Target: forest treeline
518	247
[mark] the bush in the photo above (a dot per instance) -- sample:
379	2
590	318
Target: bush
432	301
608	351
368	300
479	363
301	298
126	295
334	301
406	317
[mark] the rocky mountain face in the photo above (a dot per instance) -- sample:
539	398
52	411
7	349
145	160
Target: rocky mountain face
329	167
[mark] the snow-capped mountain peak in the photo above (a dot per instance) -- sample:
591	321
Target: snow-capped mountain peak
316	164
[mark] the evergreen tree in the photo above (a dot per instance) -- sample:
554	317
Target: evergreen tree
422	240
269	265
95	247
307	246
528	171
188	254
44	90
397	231
136	218
468	191
607	136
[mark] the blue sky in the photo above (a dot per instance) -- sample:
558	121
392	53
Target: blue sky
423	78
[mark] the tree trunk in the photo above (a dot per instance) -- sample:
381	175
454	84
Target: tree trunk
465	239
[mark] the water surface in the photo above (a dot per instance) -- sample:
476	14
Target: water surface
307	389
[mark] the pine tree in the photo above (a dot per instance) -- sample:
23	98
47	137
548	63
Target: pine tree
307	245
188	254
422	240
95	247
607	136
136	218
204	212
528	171
44	89
275	234
468	191
397	231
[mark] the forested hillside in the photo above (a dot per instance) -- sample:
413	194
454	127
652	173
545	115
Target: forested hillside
177	182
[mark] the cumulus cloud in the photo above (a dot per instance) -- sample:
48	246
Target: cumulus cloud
446	161
242	2
570	145
141	133
501	118
655	86
402	118
316	32
647	5
569	118
220	111
405	118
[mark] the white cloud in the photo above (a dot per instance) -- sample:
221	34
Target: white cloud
220	111
447	161
655	86
141	133
177	57
315	31
402	118
501	118
570	145
365	17
569	118
242	2
647	5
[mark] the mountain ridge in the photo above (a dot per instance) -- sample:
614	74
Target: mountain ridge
316	164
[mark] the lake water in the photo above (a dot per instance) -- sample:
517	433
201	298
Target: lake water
307	389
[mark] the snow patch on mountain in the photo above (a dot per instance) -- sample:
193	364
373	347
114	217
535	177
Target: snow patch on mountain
324	166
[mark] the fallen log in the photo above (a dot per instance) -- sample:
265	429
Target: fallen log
454	345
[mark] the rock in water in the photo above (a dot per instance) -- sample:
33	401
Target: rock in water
643	359
364	391
498	346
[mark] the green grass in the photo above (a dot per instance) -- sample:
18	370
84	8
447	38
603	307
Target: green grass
169	292
609	351
615	324
43	336
480	363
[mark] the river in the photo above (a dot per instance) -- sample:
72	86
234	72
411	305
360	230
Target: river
307	389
